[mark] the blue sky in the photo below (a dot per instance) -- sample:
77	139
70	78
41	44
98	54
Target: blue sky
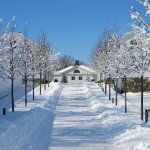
73	26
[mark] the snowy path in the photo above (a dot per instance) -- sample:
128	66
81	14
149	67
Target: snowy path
74	117
75	127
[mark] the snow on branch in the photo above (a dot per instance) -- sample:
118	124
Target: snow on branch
144	21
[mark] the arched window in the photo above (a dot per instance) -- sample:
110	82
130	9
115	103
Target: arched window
76	71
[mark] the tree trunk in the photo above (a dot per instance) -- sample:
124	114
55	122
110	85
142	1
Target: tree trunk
116	91
109	88
12	81
105	87
48	78
12	93
44	80
125	90
99	83
141	97
25	90
100	80
40	82
33	86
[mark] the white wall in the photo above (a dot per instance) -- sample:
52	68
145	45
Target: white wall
5	86
83	73
76	81
86	75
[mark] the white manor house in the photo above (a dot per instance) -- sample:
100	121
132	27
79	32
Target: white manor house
75	74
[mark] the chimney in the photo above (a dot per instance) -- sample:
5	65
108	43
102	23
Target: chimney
77	63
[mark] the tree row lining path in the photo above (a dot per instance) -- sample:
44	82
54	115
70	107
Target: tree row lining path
73	117
75	126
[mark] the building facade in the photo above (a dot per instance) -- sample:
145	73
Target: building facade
75	75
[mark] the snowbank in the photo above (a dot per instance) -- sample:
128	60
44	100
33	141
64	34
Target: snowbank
135	138
30	128
126	131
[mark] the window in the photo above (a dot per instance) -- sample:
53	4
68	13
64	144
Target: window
76	71
80	78
72	78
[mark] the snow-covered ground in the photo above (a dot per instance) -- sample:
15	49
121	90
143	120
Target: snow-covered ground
74	117
75	125
127	131
30	128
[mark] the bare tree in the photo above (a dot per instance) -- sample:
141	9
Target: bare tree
9	52
34	64
138	47
25	59
43	51
65	61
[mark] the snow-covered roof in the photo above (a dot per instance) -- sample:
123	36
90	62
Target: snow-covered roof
56	72
87	68
80	66
147	74
66	69
134	75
